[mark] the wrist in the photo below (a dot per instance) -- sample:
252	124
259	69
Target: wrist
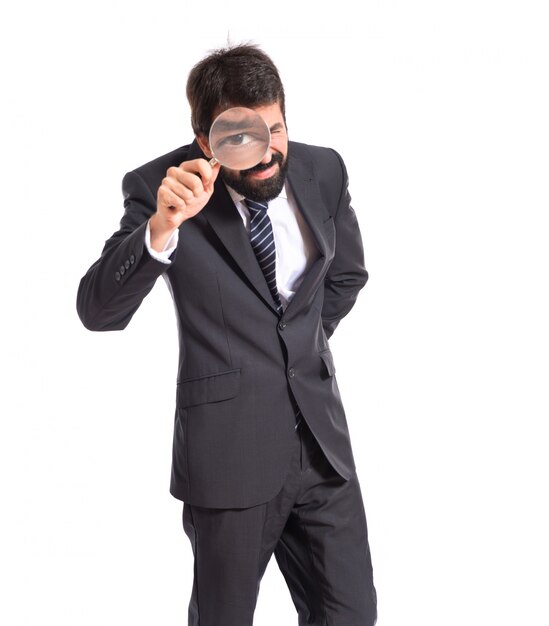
160	232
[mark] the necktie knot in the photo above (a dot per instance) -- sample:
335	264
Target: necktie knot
256	207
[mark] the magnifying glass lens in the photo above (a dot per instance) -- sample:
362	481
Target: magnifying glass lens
239	138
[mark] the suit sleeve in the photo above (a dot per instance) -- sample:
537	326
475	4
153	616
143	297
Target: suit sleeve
114	286
347	273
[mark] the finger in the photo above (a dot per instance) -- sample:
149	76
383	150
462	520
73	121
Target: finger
200	167
179	189
204	170
215	173
185	178
169	199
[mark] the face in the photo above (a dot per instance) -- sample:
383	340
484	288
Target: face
265	181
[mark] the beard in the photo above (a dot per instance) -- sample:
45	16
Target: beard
258	190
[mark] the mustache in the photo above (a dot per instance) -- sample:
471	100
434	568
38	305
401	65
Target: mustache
260	167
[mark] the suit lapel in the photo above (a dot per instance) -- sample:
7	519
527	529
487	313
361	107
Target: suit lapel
225	220
307	194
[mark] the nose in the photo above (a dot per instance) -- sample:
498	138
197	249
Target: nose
268	156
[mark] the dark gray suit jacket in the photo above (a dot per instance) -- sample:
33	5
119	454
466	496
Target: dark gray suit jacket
242	371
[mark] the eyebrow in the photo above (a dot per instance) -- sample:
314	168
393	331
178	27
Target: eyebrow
232	124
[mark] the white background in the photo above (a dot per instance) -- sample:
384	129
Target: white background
440	110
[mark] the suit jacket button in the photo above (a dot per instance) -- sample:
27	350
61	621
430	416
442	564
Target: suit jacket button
282	325
132	259
122	270
127	264
291	372
117	275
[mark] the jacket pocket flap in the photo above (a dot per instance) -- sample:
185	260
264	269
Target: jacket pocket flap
211	388
328	359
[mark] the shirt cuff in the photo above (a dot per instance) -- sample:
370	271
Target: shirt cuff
164	254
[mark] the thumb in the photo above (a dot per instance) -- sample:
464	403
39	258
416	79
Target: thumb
215	173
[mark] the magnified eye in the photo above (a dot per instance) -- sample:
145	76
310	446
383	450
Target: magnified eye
240	139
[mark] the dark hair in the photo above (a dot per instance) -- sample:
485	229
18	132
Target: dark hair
241	75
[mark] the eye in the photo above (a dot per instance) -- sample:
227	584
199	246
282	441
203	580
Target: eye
240	139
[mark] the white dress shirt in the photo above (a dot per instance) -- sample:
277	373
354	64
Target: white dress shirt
295	247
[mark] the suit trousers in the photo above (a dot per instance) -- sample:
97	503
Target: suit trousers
316	527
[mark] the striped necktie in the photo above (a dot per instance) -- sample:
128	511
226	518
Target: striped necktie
263	244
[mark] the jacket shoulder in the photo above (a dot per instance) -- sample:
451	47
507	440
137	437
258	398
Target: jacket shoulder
324	165
320	154
320	158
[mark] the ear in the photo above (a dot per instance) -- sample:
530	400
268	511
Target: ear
204	145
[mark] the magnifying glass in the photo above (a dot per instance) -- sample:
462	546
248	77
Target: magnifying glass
239	138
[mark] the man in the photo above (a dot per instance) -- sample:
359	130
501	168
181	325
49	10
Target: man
261	453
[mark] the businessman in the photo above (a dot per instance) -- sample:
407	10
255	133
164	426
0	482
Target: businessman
262	265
